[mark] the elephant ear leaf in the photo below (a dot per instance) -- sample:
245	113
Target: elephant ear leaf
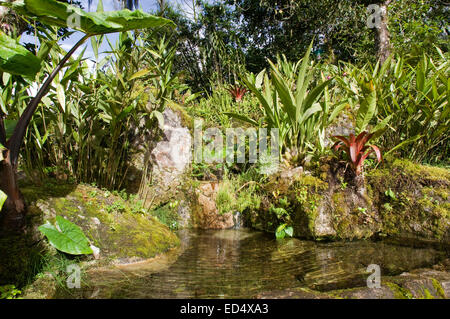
3	198
15	59
66	237
91	23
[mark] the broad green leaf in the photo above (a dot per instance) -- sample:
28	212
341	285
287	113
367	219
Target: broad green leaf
379	128
66	237
315	94
404	143
309	112
336	111
192	97
303	68
3	198
259	79
15	59
92	23
279	233
366	111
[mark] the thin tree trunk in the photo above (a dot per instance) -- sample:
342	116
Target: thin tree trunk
12	216
382	37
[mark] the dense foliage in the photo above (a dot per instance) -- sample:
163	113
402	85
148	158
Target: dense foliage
293	66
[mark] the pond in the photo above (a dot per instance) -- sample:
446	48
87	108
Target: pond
242	263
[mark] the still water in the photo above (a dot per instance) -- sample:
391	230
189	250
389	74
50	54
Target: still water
242	263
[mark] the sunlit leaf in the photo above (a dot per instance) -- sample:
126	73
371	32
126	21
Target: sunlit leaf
66	237
15	59
92	23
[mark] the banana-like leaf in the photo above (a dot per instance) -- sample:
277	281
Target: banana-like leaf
66	237
15	59
366	111
92	23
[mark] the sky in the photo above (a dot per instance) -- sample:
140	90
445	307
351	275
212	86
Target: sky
108	5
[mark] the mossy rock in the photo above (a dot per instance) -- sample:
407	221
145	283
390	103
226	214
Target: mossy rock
418	208
111	223
317	208
327	204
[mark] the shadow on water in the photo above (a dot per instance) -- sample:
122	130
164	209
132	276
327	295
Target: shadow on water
241	263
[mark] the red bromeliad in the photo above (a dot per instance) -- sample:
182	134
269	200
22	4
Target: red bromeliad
237	92
356	149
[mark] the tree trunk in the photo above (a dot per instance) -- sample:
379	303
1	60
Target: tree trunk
12	215
382	37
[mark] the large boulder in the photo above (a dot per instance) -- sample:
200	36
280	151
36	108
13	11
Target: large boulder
158	172
117	227
171	156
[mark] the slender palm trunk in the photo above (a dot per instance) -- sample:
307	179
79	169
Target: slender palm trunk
382	37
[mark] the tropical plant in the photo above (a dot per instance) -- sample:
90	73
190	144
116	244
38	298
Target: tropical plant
417	100
66	237
9	292
237	92
291	104
284	230
357	150
15	60
410	92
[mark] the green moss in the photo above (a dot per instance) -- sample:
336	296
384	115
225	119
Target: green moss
111	223
237	195
439	290
399	292
226	197
417	171
313	183
427	294
420	207
186	119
